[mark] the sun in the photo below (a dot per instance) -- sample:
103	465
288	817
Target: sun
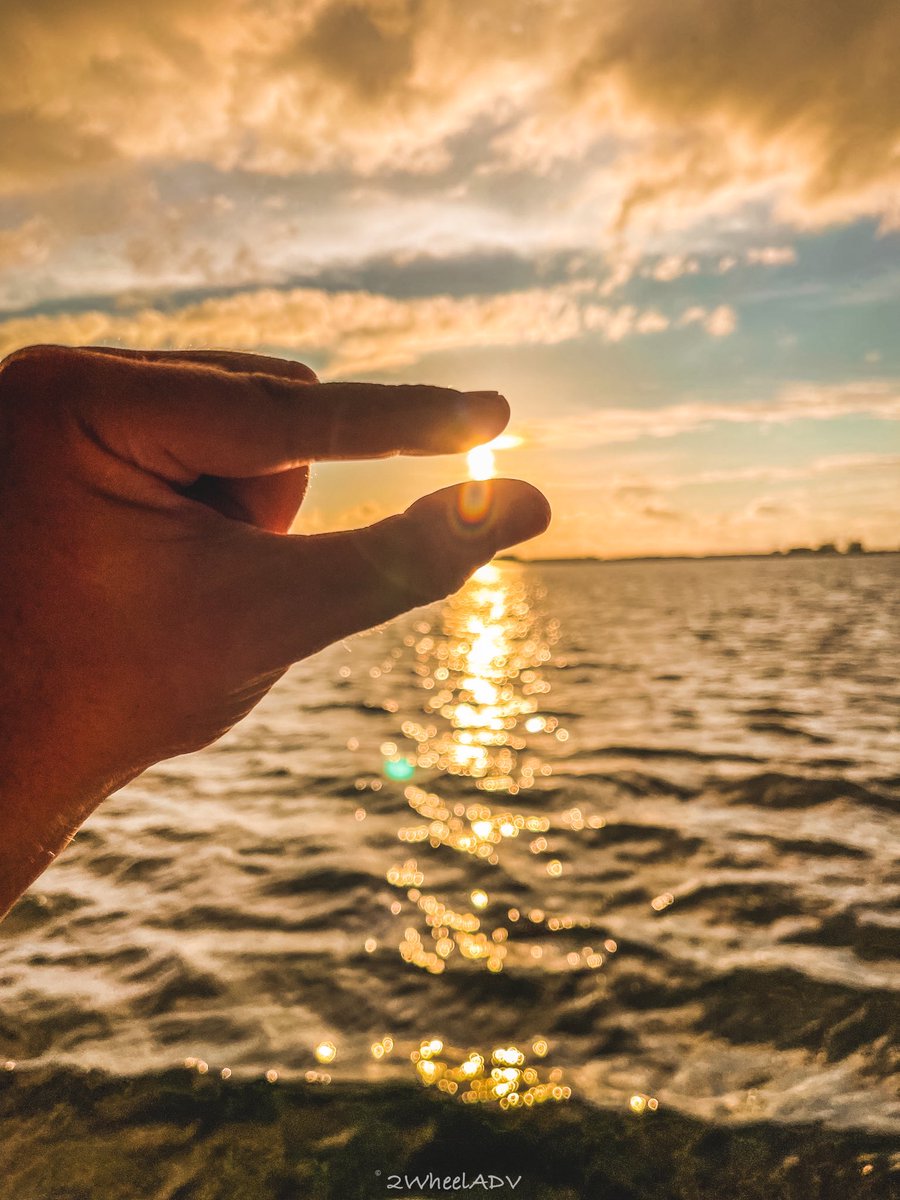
480	459
481	463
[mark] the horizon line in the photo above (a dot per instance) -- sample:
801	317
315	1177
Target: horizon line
795	552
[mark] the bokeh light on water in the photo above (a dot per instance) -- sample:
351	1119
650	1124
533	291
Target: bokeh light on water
485	717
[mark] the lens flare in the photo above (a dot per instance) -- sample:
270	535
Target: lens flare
475	502
399	768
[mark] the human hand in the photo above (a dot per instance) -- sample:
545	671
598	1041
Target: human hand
151	594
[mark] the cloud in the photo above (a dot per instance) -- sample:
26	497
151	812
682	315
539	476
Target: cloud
618	323
798	98
672	266
659	512
879	399
357	331
674	109
763	508
27	244
825	465
831	498
771	256
719	321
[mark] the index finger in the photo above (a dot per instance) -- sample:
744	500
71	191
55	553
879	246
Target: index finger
376	420
182	419
354	420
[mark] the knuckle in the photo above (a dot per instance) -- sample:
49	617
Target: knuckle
285	412
35	369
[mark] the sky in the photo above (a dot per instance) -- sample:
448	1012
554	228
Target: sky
668	233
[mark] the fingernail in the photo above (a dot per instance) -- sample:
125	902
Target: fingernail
484	403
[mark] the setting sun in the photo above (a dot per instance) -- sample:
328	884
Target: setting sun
481	463
480	459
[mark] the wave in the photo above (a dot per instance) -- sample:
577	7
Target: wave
773	789
671	752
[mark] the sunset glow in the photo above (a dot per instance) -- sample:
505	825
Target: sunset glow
481	464
481	460
690	304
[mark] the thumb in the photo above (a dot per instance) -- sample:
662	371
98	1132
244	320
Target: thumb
316	590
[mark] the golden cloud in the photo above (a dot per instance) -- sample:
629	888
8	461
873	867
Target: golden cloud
833	498
709	104
25	245
357	331
594	428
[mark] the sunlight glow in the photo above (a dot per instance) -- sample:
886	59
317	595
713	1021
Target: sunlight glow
481	463
481	460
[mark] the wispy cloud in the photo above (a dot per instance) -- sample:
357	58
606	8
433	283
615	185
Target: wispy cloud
830	464
771	256
795	402
25	244
719	321
358	331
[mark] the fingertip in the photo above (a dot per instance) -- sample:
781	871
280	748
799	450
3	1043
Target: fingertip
489	414
521	511
462	420
483	516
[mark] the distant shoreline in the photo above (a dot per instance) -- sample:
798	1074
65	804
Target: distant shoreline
776	554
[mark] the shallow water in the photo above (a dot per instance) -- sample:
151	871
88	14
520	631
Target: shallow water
648	840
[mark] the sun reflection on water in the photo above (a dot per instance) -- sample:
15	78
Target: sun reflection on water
502	1077
482	668
484	720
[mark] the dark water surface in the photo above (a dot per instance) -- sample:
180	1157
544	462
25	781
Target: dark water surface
625	835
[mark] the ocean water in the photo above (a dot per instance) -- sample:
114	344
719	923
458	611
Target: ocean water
624	834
